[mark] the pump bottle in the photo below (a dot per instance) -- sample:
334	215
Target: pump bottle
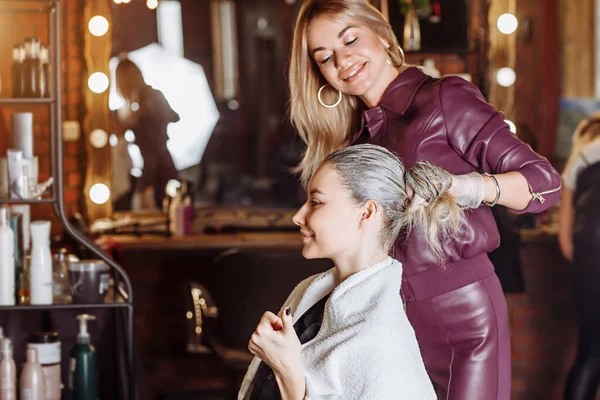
83	373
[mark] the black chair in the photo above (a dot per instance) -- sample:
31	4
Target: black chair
251	282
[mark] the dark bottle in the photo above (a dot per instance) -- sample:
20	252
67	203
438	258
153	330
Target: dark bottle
17	71
32	68
45	75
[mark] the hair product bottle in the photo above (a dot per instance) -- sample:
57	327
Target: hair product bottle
17	71
8	371
33	381
61	287
7	260
44	71
40	269
48	348
83	373
32	68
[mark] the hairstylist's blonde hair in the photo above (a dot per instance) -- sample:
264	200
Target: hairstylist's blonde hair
325	130
371	172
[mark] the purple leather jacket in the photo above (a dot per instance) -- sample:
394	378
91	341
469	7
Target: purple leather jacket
448	123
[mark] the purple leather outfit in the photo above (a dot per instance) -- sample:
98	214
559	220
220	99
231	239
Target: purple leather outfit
458	311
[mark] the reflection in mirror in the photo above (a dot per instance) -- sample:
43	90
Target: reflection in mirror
163	116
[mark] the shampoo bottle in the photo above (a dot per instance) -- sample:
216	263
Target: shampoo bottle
83	373
40	268
8	372
33	381
7	260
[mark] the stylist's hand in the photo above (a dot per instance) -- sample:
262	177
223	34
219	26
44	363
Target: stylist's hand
467	189
276	343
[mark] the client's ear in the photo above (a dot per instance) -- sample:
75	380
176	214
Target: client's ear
369	211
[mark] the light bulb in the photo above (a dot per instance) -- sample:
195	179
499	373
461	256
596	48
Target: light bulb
507	23
98	138
99	193
98	82
506	76
98	25
152	4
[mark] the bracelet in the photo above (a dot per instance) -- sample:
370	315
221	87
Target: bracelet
493	203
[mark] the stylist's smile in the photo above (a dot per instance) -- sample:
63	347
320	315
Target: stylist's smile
354	72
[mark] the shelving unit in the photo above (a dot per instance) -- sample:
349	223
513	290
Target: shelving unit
53	10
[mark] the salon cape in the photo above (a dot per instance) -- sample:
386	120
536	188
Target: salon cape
366	348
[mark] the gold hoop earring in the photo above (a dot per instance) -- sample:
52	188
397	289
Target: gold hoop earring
339	100
402	54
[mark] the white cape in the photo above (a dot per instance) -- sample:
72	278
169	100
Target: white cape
366	349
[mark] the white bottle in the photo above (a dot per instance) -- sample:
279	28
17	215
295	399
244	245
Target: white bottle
40	267
8	371
33	381
7	260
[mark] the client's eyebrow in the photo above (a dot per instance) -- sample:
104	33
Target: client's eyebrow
317	191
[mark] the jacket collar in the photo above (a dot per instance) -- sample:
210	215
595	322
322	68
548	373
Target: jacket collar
397	98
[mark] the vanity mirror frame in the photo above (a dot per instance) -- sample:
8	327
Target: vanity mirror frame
97	50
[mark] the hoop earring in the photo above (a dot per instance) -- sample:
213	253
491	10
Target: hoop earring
339	100
402	54
402	57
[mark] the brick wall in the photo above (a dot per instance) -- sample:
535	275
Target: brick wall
14	28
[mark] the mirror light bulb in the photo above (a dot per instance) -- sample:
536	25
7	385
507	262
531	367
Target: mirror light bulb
506	76
98	25
507	23
98	82
99	193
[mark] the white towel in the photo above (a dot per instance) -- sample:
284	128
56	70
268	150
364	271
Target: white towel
366	349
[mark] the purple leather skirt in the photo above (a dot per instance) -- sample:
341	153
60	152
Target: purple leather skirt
465	341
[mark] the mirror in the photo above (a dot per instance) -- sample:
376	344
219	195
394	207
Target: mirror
184	109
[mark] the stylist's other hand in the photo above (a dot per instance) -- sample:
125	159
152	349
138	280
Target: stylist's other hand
467	189
275	342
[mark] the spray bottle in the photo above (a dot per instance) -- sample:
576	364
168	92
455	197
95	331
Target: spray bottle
8	371
83	371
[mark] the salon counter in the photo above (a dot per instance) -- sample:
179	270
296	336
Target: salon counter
204	241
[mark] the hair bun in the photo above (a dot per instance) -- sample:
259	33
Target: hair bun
428	181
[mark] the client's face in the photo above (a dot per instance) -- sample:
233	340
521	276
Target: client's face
328	221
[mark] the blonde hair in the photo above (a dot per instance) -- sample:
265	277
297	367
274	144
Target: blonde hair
325	130
371	172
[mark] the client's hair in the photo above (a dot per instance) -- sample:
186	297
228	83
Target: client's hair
371	172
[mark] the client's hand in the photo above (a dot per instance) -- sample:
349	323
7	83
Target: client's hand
276	343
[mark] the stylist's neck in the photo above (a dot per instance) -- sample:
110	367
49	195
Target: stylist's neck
373	96
363	256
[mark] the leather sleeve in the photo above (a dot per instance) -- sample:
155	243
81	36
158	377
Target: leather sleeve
479	134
